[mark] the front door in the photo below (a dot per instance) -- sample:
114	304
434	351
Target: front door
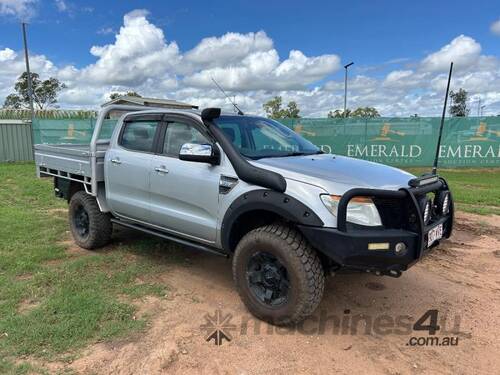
128	167
184	194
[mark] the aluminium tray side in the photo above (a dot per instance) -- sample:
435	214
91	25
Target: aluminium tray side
70	159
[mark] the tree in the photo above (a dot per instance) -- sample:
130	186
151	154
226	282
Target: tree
338	113
364	112
44	92
116	95
13	101
458	106
292	110
274	109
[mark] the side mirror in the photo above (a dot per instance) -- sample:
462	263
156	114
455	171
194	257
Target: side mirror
202	153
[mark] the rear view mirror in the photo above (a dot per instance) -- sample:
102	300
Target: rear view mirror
203	153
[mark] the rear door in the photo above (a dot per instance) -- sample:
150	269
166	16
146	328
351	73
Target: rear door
128	167
184	194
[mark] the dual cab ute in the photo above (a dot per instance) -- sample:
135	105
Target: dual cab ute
249	188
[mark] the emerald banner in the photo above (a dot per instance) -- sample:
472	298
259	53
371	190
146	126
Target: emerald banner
466	141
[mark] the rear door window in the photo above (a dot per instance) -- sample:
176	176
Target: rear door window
139	135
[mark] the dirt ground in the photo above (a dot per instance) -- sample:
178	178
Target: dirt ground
460	279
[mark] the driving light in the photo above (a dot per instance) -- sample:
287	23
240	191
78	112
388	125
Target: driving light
400	248
360	210
443	202
446	204
427	211
378	246
423	180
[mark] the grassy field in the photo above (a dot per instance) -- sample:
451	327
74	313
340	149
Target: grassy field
54	301
474	190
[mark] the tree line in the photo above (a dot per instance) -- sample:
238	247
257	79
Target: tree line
45	93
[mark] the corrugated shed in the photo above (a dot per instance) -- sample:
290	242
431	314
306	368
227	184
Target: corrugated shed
15	141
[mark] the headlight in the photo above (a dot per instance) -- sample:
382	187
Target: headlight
360	210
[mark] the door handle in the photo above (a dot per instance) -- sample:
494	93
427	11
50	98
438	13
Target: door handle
116	161
161	169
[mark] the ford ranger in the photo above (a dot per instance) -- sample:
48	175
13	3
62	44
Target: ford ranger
249	188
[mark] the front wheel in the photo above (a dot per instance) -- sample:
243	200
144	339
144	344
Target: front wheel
90	227
278	275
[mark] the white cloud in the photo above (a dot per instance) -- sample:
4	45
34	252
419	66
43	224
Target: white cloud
421	89
263	71
237	61
105	31
7	54
228	49
61	5
248	66
22	9
462	51
495	27
140	51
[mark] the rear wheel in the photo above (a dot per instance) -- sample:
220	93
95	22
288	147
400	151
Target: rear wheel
90	227
278	275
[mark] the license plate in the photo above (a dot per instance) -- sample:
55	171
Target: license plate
434	234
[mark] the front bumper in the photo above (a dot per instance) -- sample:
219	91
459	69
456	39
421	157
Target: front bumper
348	247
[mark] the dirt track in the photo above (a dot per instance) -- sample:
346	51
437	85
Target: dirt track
461	279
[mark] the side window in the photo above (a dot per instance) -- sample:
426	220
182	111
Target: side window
179	133
139	135
233	133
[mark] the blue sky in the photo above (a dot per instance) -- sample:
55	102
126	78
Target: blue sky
379	36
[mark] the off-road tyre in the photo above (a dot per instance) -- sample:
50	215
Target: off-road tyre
99	226
306	278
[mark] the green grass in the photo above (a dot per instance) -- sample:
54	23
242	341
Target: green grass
52	302
474	190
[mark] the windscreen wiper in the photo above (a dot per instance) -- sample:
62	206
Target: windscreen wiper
298	153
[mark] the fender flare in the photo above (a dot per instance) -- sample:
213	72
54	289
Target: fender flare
267	200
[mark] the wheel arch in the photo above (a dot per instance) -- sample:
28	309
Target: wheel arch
262	207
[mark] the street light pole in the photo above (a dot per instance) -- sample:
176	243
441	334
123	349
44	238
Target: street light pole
345	88
30	88
26	58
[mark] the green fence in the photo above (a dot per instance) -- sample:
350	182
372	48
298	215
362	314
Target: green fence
466	142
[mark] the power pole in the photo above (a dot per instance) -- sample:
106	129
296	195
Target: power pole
345	88
30	87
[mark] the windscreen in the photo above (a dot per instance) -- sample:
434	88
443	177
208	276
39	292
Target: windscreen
257	137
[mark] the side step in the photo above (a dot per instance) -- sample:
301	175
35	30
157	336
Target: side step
170	237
